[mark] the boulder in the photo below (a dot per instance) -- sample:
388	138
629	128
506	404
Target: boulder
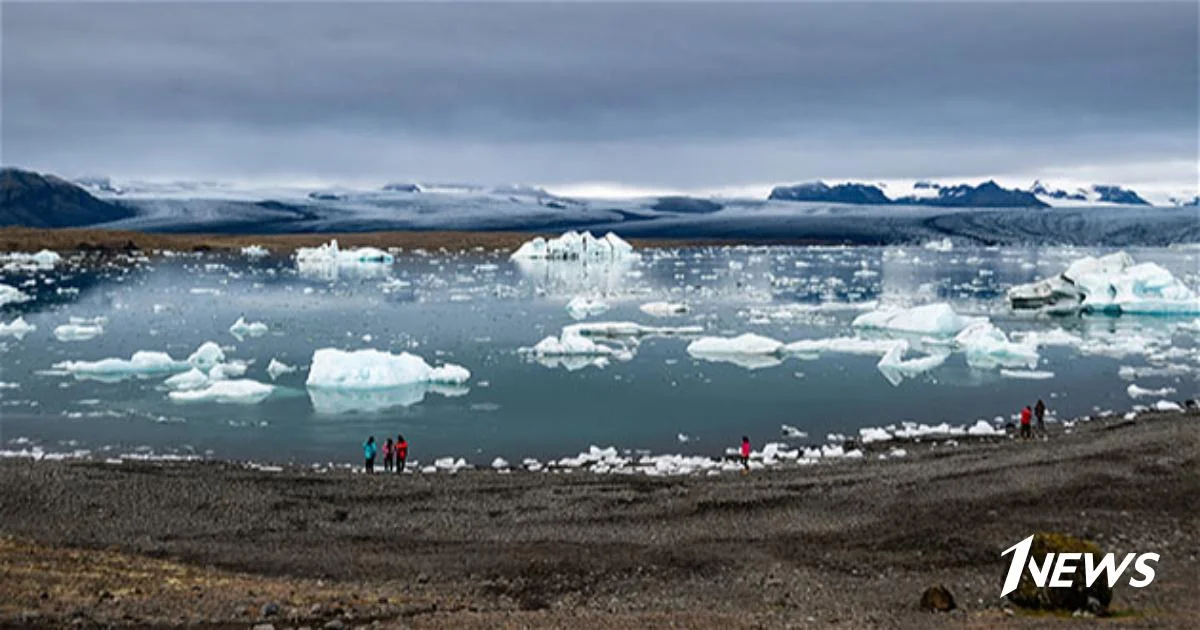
937	598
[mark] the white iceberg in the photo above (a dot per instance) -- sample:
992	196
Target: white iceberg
206	356
242	329
331	253
747	350
1029	375
232	369
142	363
845	345
78	332
12	295
329	401
986	346
931	319
375	369
582	307
1138	392
277	368
983	428
574	246
184	381
1112	283
17	328
243	392
255	251
895	368
664	309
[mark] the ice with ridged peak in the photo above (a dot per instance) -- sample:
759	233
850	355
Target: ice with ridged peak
242	329
938	319
1114	283
16	328
277	368
330	253
208	355
986	346
574	246
142	363
375	369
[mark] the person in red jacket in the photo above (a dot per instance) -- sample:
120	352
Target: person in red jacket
401	452
745	454
1026	423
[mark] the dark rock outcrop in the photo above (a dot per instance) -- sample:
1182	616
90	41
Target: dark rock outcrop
862	194
34	200
989	194
1116	194
685	205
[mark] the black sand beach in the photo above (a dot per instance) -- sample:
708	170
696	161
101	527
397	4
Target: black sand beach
845	544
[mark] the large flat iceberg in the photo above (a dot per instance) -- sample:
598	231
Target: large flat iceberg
142	363
375	369
330	253
1112	284
243	391
931	319
747	350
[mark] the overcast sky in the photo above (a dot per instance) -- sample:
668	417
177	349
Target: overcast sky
661	96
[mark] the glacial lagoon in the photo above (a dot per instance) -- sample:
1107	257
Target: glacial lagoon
484	312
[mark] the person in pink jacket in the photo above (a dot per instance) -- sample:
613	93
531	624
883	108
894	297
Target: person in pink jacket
745	454
389	455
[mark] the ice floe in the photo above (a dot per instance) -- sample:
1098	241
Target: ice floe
574	246
374	369
332	254
44	259
255	251
12	295
242	391
208	355
242	329
1032	375
747	350
581	307
986	346
79	331
16	328
143	363
277	368
1111	284
1139	392
184	381
664	309
938	319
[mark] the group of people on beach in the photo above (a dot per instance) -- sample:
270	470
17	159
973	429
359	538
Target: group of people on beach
395	454
1027	416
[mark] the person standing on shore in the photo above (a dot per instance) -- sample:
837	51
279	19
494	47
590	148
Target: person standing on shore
389	453
1039	411
401	452
369	454
1026	423
745	455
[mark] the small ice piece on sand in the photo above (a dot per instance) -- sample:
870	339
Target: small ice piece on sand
12	295
184	381
500	464
575	246
242	392
1138	392
747	350
582	307
664	309
255	251
1166	405
874	434
931	319
17	328
791	432
1032	375
277	368
374	369
983	428
78	332
206	356
242	329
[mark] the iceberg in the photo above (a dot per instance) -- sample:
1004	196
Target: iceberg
277	368
1109	284
1138	392
142	363
191	379
243	392
570	343
1029	375
242	329
986	346
78	332
574	246
845	345
895	368
255	251
328	401
747	350
931	319
17	328
208	355
628	330
332	254
375	369
664	309
12	295
581	307
43	259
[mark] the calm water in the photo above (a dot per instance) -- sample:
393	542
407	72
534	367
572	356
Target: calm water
477	309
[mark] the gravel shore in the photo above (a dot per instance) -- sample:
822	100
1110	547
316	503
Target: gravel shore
843	544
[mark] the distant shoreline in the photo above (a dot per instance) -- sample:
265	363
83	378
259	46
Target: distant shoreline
13	239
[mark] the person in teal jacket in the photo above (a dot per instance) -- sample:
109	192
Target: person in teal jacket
369	453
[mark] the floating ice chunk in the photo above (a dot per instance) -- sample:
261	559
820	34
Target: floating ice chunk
944	245
184	381
845	345
791	432
1138	392
617	330
1033	375
243	391
683	438
17	328
747	350
332	254
255	251
569	345
142	363
1166	405
895	368
1112	283
574	246
872	434
233	369
582	307
12	295
206	356
277	368
43	259
931	319
242	329
664	309
78	332
1053	337
374	369
983	428
331	401
986	346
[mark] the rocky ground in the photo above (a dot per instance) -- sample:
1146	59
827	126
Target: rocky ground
848	544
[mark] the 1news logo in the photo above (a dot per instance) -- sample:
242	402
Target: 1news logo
1057	569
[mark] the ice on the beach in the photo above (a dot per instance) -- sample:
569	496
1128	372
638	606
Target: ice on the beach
574	246
1112	283
78	332
206	356
12	295
375	369
142	363
982	428
255	251
1167	405
747	350
872	434
1139	392
43	259
581	307
242	329
986	346
664	309
931	319
16	328
242	391
330	253
500	464
277	368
